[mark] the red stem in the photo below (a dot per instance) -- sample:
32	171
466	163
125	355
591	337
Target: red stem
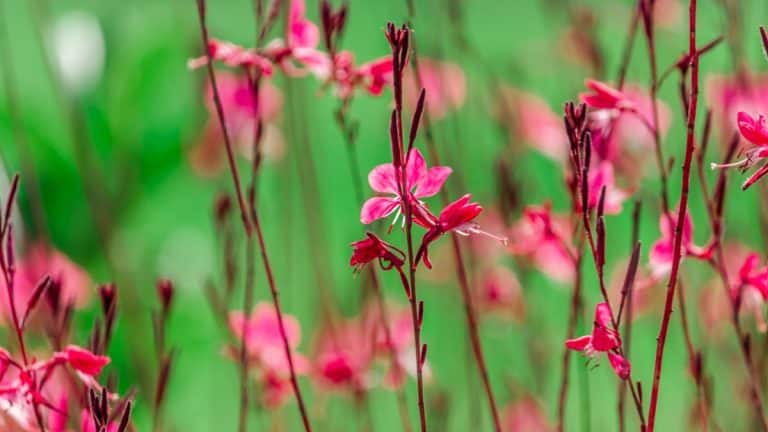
677	248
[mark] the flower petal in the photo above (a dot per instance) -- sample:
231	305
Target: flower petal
579	344
382	179
415	169
431	184
620	365
377	208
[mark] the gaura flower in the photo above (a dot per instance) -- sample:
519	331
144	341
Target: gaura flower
458	217
373	248
751	289
545	239
232	55
373	76
444	84
344	356
662	251
499	291
526	415
604	339
420	182
603	96
755	131
534	122
602	176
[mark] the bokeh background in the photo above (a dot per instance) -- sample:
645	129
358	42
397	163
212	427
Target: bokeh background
123	137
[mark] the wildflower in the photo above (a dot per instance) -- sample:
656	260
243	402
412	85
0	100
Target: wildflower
755	131
602	177
604	96
233	55
458	217
534	122
751	289
526	415
604	339
444	83
400	343
545	239
263	339
420	182
662	251
499	291
344	356
83	360
373	248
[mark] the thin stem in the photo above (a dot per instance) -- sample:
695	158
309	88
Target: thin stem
629	45
683	207
570	333
694	359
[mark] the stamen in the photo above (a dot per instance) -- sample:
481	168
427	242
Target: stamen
737	164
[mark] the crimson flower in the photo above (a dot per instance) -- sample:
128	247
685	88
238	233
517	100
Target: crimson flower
373	248
603	96
604	339
458	217
420	181
662	251
751	289
755	131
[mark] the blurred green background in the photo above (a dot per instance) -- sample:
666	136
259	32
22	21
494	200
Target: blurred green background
146	112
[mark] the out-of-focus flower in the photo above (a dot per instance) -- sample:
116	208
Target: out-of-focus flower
603	96
499	291
420	183
344	356
604	339
241	111
601	177
662	251
545	239
42	260
729	95
401	342
754	130
525	415
444	85
232	55
78	50
750	290
534	122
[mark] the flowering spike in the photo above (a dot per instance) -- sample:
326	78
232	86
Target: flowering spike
423	356
416	119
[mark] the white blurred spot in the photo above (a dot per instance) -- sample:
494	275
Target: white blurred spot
77	48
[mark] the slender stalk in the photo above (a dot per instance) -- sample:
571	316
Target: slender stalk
694	359
629	44
681	213
576	299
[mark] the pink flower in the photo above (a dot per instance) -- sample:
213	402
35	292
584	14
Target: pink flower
755	131
400	342
373	76
373	248
751	290
661	254
732	94
344	356
499	291
420	183
534	122
263	339
525	415
545	239
232	55
602	176
84	361
603	96
241	111
604	339
302	33
42	260
444	84
458	217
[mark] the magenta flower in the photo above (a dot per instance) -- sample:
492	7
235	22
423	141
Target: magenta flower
458	217
526	414
662	253
545	239
534	122
604	339
499	291
373	248
344	356
751	290
729	95
755	131
420	181
603	96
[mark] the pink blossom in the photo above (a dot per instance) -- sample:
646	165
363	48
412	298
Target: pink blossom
603	96
499	291
534	122
302	33
344	356
729	95
601	177
42	260
400	342
263	339
545	239
372	76
755	131
444	84
604	339
232	55
241	111
457	217
661	254
525	415
373	248
83	360
420	182
751	289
